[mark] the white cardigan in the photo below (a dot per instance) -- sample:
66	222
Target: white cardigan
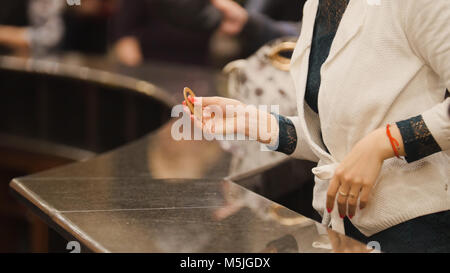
389	61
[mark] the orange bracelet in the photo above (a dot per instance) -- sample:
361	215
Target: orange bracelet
394	142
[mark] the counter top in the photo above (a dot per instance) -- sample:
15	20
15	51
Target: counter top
159	195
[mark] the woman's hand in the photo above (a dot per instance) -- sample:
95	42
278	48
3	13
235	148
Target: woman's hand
224	116
205	110
356	175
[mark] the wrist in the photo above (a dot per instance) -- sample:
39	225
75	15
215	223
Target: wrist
275	132
270	130
384	146
260	125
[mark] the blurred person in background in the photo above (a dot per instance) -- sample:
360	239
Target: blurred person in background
180	30
87	26
30	27
259	21
169	30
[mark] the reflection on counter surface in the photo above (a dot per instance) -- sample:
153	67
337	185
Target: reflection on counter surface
141	214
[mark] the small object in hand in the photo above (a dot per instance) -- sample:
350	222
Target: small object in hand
186	92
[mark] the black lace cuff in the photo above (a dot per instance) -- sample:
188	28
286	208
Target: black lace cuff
287	137
417	139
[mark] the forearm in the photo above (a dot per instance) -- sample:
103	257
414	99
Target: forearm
280	135
14	37
414	139
287	138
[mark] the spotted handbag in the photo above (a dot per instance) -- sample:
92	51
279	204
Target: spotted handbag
262	79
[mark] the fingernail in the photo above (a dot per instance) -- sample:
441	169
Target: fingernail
329	210
350	216
184	103
342	216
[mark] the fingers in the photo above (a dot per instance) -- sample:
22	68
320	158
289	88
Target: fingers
348	191
186	109
364	197
209	119
196	121
213	115
332	191
207	101
352	200
343	191
339	186
218	101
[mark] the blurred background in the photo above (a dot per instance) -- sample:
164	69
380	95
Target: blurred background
204	32
169	43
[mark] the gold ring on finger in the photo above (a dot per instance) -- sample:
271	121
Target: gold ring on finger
343	194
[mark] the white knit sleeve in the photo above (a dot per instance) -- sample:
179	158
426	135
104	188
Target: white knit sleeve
427	26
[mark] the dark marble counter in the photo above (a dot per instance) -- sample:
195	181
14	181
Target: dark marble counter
158	195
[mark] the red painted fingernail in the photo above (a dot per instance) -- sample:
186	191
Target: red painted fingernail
184	103
329	210
342	216
350	216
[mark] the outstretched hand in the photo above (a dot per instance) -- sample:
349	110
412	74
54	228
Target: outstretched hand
224	116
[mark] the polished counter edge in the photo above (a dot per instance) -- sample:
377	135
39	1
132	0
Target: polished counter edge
86	74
